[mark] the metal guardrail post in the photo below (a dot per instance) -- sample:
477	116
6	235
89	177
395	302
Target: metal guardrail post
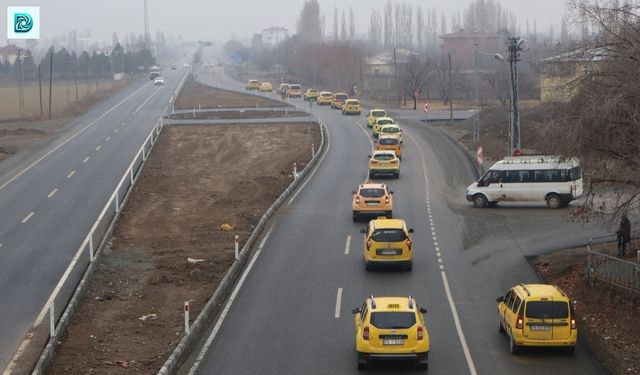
91	254
116	200
52	320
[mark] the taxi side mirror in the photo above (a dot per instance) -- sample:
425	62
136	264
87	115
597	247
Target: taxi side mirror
369	156
363	231
410	230
500	299
375	141
353	192
356	310
423	310
391	192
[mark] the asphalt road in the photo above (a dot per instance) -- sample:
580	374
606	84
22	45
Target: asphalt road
286	318
50	201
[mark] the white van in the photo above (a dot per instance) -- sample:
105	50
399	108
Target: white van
552	179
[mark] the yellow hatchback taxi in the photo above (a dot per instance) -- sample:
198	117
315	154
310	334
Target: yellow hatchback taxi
390	142
373	115
253	84
393	129
384	163
372	199
391	328
387	242
351	107
338	100
380	122
265	87
325	98
311	95
537	315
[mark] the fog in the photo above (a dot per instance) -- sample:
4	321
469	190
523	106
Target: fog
219	19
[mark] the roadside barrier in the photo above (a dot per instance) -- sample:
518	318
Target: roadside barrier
610	269
207	316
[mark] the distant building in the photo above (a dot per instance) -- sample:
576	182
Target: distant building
461	46
10	53
384	63
560	75
273	36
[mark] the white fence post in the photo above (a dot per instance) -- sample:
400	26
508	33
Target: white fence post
295	170
237	247
91	255
186	317
52	320
116	200
313	151
131	174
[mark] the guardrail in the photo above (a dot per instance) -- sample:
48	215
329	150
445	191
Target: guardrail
603	266
92	246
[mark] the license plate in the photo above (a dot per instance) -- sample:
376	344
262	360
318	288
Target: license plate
393	342
372	203
389	252
538	327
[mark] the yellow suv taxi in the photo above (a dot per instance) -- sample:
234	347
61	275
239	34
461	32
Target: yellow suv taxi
253	84
266	87
384	163
380	122
325	98
391	129
390	142
537	315
373	115
351	107
391	328
338	100
310	95
372	199
387	242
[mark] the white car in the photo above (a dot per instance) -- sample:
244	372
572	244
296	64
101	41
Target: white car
159	81
551	179
185	65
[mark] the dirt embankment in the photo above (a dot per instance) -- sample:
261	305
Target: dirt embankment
197	95
609	319
197	178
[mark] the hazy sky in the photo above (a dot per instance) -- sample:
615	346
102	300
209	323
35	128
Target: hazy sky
218	19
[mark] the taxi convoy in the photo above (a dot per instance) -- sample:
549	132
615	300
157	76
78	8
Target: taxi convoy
394	327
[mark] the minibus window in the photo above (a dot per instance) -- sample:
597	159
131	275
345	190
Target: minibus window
576	173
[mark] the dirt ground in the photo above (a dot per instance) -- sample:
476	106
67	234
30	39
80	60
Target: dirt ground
197	178
608	317
237	115
197	95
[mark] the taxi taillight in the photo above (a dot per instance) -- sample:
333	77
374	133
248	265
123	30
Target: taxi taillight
420	334
386	199
368	244
520	322
573	323
409	243
365	333
357	200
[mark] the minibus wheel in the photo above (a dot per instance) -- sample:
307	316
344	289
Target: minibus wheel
480	201
554	201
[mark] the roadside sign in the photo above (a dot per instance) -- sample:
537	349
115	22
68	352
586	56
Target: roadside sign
426	107
479	155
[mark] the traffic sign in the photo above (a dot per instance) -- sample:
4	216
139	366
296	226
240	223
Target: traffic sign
479	155
426	107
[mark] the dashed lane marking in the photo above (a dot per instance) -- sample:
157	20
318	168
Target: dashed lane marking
52	193
98	148
86	159
71	174
347	245
26	218
338	303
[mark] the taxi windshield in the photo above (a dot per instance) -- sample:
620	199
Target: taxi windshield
371	193
389	235
393	320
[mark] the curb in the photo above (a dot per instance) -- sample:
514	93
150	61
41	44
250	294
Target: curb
220	295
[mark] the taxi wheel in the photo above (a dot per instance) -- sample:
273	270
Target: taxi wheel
367	266
355	216
500	327
571	350
409	266
396	175
362	361
423	366
513	347
388	214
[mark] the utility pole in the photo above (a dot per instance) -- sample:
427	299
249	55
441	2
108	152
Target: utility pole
313	64
50	81
20	89
514	47
40	88
450	91
146	24
476	118
395	74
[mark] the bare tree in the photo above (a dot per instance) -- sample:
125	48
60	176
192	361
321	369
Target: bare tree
375	30
412	77
419	29
388	25
343	28
352	25
498	80
309	23
335	23
441	71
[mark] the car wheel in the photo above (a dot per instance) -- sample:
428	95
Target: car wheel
500	327
571	350
423	366
371	176
513	347
362	361
388	214
355	216
367	266
409	266
554	201
480	201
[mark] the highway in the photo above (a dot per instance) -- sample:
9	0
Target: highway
50	201
292	312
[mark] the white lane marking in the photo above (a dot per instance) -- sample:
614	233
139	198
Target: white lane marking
338	303
347	245
98	148
21	349
26	218
69	139
145	102
439	260
52	193
441	267
313	172
0	245
71	174
225	311
108	139
86	159
366	134
116	130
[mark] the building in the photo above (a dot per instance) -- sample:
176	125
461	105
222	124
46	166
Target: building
10	53
461	45
384	63
560	74
273	36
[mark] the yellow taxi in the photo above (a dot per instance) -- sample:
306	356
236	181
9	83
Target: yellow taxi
372	199
390	142
338	100
393	129
373	115
253	84
387	242
265	87
384	163
311	95
351	107
295	91
391	328
380	122
325	98
537	315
